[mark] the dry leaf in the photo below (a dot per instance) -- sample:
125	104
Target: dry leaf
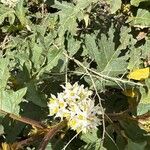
144	121
141	36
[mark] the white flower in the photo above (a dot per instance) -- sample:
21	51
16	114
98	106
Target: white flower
70	92
84	92
75	105
86	116
76	92
57	106
53	105
62	107
10	3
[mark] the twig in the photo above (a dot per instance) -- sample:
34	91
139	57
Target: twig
112	140
66	69
5	41
71	140
103	121
101	75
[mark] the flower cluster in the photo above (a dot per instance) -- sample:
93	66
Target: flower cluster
75	105
10	3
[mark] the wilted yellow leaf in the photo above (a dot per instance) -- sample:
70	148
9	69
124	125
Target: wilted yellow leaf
6	146
33	131
130	93
36	131
139	74
132	97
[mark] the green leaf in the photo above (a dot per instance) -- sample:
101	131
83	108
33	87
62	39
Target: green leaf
92	48
1	126
106	56
12	129
10	100
92	140
145	53
69	14
138	146
20	13
90	137
109	142
137	2
135	59
67	17
133	131
142	19
36	56
125	38
29	148
1	130
49	147
138	54
120	141
92	147
6	12
4	73
73	45
144	104
54	54
111	60
114	5
34	95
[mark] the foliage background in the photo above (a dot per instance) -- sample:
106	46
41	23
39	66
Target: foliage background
95	42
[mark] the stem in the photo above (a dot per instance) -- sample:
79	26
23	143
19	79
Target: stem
48	132
24	119
28	141
51	134
120	116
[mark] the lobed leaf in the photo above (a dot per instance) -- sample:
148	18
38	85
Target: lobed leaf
142	19
106	56
10	100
